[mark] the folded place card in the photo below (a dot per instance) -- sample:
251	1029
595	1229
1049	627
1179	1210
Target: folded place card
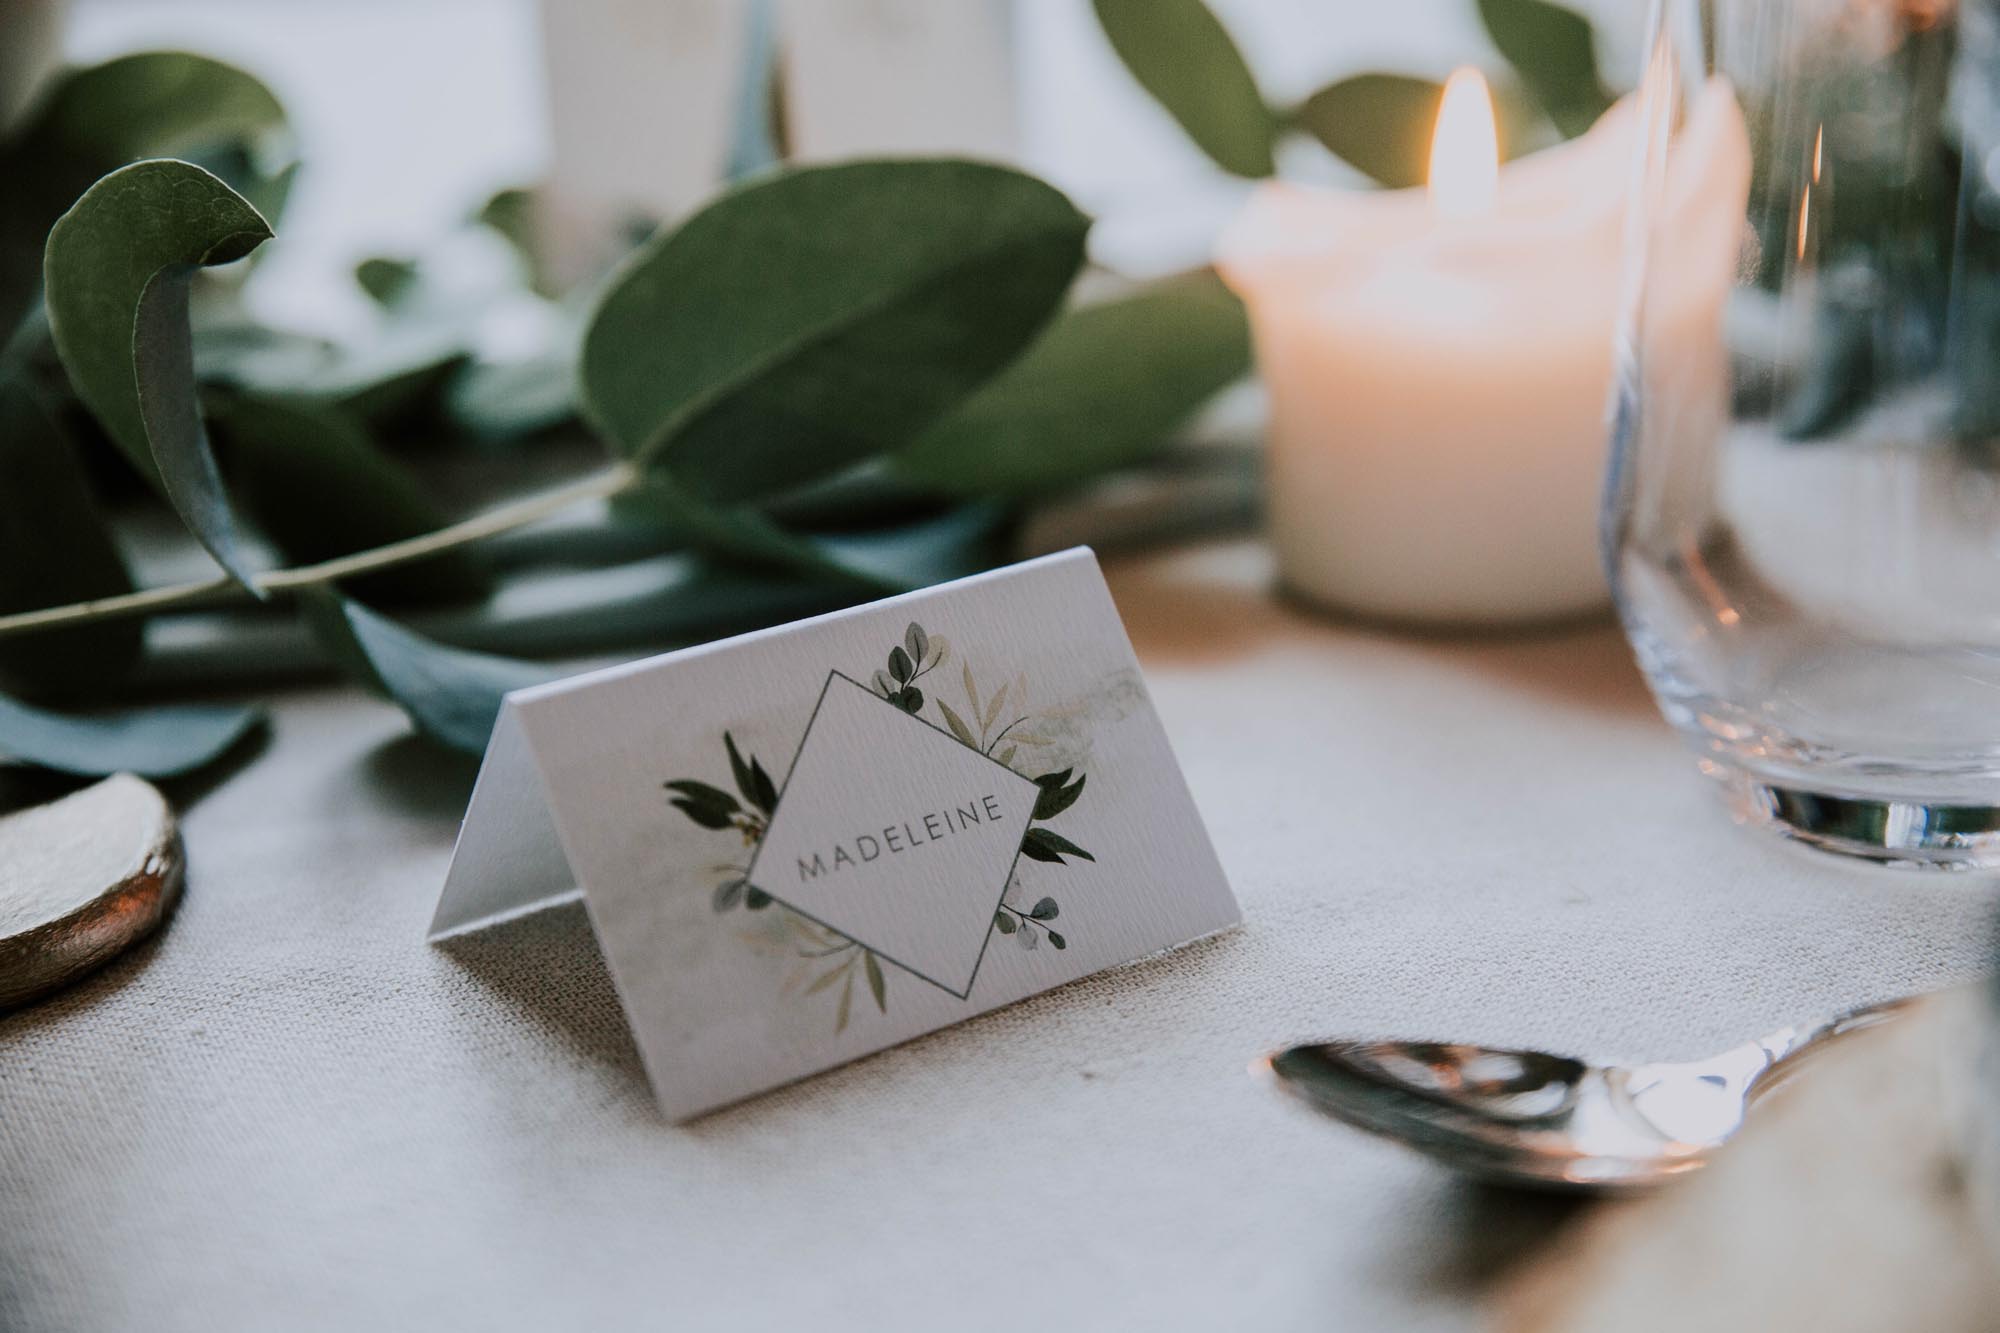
809	843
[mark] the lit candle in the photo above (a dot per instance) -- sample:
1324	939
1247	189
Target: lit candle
1438	363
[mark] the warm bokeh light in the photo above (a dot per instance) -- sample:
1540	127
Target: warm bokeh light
1465	148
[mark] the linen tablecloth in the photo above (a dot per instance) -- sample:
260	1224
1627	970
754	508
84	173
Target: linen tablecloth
290	1112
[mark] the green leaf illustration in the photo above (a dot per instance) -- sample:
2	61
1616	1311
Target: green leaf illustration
916	643
710	807
1005	922
957	725
1181	54
1044	845
900	665
1045	910
910	699
756	899
116	277
1054	798
728	894
832	352
878	985
1028	939
152	742
1058	940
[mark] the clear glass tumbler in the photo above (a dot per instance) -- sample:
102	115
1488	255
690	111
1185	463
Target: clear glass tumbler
1802	513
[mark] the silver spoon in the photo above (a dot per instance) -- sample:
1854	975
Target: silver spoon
1531	1118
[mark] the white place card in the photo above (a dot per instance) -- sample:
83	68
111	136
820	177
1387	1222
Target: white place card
806	844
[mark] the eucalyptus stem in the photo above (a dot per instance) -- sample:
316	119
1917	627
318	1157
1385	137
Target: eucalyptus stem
223	591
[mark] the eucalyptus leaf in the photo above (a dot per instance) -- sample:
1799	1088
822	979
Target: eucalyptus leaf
1181	54
152	742
1045	910
832	352
746	536
1102	389
116	279
95	119
318	488
1379	124
1554	51
55	549
453	695
1046	845
1005	923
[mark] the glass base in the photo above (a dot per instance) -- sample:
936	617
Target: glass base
1920	835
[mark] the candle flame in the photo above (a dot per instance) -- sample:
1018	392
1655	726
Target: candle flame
1465	148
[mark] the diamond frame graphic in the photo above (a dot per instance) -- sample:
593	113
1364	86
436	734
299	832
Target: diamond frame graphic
986	940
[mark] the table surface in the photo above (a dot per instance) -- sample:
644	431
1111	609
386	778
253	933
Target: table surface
290	1112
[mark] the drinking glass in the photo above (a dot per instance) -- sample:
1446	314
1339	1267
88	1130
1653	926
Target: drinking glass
1802	512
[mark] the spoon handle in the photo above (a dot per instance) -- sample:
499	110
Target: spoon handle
1785	1047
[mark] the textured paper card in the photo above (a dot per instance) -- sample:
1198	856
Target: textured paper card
806	844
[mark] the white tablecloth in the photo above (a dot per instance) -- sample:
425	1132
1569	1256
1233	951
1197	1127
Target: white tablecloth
289	1112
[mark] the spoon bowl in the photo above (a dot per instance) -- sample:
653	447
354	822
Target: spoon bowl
1524	1117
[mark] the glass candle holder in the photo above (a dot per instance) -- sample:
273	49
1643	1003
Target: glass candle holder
1802	513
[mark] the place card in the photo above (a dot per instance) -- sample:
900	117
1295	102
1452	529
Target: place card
809	843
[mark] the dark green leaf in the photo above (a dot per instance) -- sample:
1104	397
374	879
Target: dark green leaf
451	694
55	549
152	742
756	899
910	699
740	771
747	537
900	665
767	790
916	643
116	279
1380	124
1103	388
878	985
832	352
318	488
1058	940
708	816
1181	54
1553	50
1045	845
728	894
1052	801
1045	910
1005	922
93	120
703	794
1051	781
386	280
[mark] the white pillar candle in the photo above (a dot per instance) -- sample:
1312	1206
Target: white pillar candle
1438	363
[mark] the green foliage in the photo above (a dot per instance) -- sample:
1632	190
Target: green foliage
93	120
116	275
1181	54
451	694
318	487
863	301
152	742
1555	53
1104	387
834	382
1380	124
55	548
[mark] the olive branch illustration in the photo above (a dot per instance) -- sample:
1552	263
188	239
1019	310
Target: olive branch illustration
749	809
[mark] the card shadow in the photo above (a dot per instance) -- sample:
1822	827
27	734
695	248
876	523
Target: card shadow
548	967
